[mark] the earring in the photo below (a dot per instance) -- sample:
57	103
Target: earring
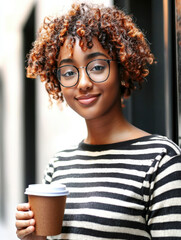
122	102
123	83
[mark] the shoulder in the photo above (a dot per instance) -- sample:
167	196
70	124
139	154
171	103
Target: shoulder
67	150
163	143
165	168
64	152
167	161
170	147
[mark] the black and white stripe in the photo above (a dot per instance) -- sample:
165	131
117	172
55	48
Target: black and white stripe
127	190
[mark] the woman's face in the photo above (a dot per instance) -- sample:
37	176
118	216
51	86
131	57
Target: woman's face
90	99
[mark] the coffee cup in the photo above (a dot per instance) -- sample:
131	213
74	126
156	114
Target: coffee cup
47	201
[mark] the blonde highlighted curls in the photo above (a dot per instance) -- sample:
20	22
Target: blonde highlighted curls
115	31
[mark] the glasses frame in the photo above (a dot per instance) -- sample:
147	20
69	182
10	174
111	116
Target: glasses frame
106	60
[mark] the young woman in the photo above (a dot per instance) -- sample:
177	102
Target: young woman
124	183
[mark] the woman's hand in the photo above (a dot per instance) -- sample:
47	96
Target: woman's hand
25	223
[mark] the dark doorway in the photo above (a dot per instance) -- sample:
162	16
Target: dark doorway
178	60
154	108
29	97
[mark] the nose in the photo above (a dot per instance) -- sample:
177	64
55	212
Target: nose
84	83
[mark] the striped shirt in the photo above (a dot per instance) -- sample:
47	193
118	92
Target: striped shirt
126	190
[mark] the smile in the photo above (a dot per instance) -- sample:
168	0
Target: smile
87	99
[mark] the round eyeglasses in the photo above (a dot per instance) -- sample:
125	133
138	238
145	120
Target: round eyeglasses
97	70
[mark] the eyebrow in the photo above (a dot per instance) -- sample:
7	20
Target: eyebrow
95	54
89	56
66	60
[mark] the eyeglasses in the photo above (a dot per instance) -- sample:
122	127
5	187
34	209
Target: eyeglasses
97	70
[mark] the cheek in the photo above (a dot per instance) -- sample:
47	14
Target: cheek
113	85
67	93
69	98
115	77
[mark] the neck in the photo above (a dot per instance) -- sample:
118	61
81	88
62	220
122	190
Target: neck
107	129
111	128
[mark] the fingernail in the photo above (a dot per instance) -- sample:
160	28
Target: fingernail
30	213
32	222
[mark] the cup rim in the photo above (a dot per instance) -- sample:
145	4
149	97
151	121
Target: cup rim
46	190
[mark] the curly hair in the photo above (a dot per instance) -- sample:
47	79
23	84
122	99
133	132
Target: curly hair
115	31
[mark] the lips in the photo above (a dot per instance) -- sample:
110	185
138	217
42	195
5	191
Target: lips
87	99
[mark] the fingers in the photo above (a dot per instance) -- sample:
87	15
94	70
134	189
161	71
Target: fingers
24	220
21	224
20	215
21	233
23	212
23	207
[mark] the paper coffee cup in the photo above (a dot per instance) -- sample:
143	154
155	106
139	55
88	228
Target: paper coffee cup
47	201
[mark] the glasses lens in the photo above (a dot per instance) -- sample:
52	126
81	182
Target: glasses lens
98	70
67	75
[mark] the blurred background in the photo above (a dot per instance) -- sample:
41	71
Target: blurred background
31	131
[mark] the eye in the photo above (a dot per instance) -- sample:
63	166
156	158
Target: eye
97	68
68	74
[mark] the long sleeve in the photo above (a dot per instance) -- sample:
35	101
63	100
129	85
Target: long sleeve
164	199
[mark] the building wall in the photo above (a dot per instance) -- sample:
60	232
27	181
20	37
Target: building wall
55	128
11	22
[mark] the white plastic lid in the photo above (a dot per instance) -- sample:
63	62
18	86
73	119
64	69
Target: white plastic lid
49	190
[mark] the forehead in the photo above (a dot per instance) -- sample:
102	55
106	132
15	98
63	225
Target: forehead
76	52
